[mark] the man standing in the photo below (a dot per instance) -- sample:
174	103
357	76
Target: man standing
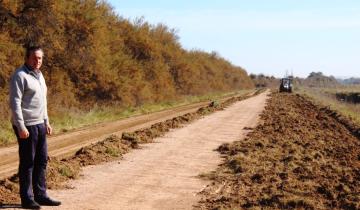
31	124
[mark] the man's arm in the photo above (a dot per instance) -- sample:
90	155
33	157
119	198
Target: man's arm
16	93
46	121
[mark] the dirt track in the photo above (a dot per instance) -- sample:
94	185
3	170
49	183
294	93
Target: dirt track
163	175
64	144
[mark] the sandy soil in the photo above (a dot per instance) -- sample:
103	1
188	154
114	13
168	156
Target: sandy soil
63	145
163	175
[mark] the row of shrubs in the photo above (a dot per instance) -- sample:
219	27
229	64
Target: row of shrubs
94	56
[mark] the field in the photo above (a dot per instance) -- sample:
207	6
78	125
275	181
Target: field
327	97
301	156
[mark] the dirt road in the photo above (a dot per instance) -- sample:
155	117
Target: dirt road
68	143
163	175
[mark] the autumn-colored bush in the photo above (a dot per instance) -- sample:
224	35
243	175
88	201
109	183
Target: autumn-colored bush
93	56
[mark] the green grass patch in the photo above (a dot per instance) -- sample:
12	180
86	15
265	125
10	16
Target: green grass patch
66	171
112	151
7	134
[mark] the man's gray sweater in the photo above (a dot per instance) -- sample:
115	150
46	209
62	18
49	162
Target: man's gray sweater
28	98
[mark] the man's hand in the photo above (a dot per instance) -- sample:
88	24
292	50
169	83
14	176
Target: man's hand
24	134
48	129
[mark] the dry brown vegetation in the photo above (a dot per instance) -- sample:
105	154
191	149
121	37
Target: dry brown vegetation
93	56
301	156
262	81
328	97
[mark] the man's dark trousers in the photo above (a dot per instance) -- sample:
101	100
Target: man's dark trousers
33	160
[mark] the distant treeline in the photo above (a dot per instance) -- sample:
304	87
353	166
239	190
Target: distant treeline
93	56
350	81
261	81
318	79
315	79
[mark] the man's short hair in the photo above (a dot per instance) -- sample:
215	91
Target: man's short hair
32	49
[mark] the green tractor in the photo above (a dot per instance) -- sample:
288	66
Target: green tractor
286	85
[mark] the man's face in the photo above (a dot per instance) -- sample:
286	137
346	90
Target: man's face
35	59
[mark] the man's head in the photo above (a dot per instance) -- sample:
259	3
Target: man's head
34	57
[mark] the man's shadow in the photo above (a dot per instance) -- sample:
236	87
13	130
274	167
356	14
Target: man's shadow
10	206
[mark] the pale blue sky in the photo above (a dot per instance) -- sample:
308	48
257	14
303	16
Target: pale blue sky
263	36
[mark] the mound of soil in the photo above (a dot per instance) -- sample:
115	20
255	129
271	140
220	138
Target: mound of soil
110	149
299	157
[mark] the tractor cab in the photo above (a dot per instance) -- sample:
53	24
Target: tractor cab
286	85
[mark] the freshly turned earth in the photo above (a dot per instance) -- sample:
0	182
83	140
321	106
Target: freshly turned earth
300	156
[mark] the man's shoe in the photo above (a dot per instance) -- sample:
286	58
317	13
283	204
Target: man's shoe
47	202
30	204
